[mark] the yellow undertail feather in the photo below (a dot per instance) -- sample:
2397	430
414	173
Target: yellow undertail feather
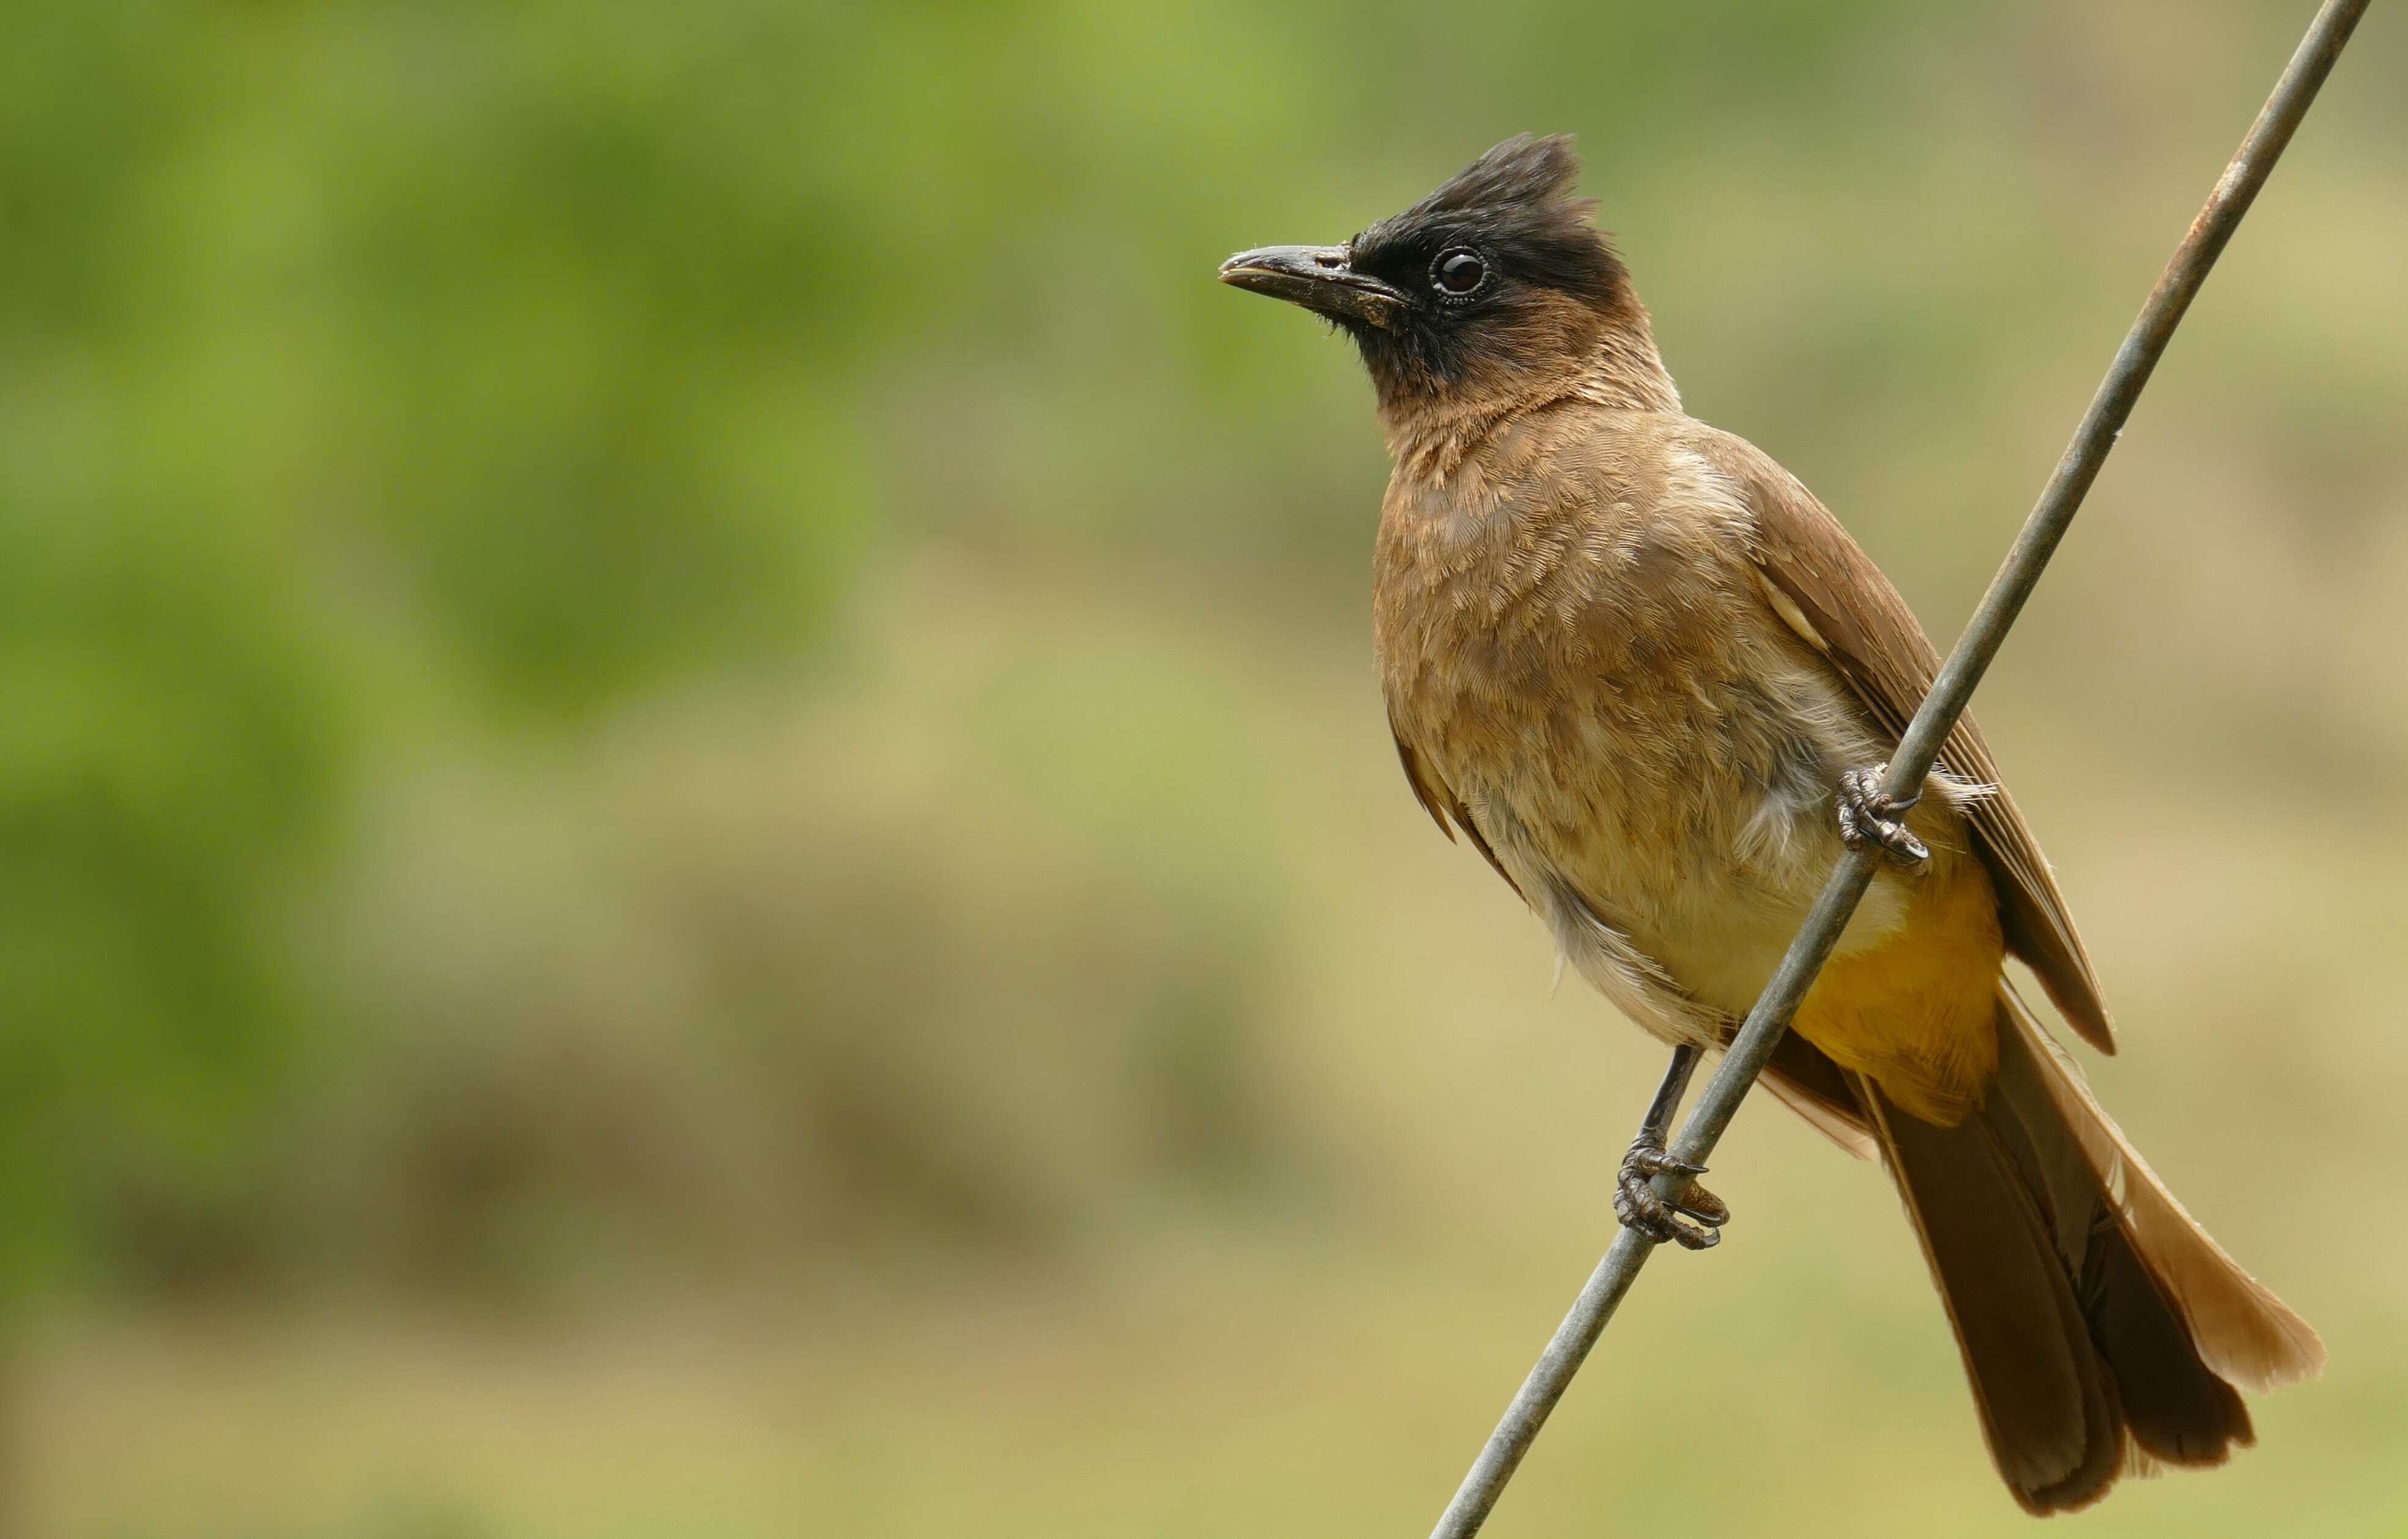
1917	1013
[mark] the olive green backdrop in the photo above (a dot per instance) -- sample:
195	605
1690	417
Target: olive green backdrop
694	834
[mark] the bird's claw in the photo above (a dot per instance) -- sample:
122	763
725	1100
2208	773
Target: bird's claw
1867	816
1693	1220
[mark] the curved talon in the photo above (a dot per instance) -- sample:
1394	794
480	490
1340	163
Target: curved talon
1692	1222
1703	1206
1869	817
1652	1159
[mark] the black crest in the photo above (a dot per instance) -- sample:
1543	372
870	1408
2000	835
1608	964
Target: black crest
1517	203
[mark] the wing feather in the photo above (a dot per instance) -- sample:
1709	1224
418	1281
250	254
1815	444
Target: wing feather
1445	807
1827	588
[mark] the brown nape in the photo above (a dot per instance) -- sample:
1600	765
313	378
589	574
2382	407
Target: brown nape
1623	369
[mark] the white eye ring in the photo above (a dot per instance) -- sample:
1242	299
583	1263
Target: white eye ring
1459	273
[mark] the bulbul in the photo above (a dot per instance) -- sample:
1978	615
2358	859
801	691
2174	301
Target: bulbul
1644	673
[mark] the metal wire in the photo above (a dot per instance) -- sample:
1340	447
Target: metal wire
2058	501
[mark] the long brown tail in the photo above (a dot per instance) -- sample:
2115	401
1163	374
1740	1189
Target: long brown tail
2103	1330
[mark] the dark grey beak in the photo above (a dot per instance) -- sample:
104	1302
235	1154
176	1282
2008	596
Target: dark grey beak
1322	279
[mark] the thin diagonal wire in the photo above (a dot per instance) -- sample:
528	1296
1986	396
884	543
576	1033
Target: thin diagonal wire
1920	747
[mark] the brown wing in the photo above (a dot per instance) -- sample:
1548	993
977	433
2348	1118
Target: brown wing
1438	800
1850	611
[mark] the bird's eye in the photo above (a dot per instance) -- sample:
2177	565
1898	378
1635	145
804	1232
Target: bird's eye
1459	272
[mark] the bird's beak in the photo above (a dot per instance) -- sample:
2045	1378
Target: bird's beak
1322	279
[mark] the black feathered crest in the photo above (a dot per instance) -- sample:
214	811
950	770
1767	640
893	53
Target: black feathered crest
1524	171
1516	201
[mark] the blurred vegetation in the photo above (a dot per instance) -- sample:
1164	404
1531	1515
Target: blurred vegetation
658	654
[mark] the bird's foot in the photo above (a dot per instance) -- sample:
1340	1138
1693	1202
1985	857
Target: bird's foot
1869	817
1693	1221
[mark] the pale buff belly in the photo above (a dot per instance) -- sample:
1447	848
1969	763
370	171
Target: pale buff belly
1674	875
1678	901
1710	897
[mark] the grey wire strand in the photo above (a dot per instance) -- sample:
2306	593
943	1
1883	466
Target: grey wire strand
1920	747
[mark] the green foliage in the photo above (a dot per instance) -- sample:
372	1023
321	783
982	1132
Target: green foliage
623	622
651	647
372	374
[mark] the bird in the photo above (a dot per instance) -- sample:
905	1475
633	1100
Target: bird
1636	666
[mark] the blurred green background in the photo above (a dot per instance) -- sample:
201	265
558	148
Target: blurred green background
696	835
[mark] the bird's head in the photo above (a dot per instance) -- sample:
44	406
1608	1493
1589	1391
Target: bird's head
1494	286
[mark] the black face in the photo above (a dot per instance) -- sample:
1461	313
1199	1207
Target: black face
1464	276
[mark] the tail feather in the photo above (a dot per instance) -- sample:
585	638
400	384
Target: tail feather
1820	1092
2177	1410
2103	1331
2046	1399
2245	1336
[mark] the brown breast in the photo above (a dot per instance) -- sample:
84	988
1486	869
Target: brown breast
1570	635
